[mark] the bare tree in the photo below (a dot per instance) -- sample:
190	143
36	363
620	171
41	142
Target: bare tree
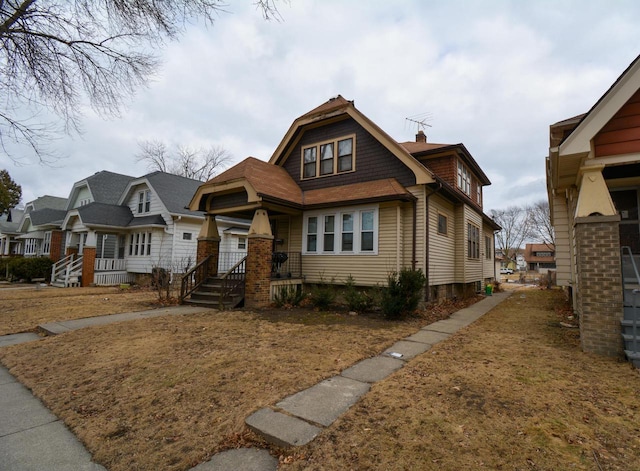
197	163
540	223
54	54
516	229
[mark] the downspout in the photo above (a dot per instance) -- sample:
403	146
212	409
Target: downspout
426	242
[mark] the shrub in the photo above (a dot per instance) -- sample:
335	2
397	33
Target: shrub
323	295
288	296
358	300
402	294
30	268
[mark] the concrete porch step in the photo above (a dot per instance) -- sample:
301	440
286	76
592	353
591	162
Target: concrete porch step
633	357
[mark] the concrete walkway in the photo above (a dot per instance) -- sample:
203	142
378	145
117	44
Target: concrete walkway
32	438
297	419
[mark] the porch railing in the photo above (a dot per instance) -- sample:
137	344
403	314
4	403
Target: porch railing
232	282
110	264
107	278
227	260
66	269
286	265
192	279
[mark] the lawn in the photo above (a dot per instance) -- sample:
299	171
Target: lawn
166	393
22	310
512	391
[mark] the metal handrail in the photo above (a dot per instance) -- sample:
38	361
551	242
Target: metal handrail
633	262
232	282
192	279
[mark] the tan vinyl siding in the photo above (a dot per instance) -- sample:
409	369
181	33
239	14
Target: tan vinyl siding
442	247
282	233
562	231
367	270
460	235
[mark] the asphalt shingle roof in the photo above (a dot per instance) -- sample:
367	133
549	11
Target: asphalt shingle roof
174	191
105	214
106	187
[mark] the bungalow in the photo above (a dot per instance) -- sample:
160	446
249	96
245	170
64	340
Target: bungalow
540	257
593	183
338	198
9	223
40	217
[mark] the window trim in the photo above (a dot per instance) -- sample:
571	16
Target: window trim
446	224
356	212
242	243
473	241
140	244
488	247
318	146
464	178
144	201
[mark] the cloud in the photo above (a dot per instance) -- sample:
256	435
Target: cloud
492	75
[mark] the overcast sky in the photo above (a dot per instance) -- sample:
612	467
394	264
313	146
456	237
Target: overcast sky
492	75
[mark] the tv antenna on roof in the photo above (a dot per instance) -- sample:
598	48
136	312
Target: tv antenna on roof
420	120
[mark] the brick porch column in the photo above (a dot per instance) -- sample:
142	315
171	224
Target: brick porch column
55	251
209	243
599	284
88	265
258	271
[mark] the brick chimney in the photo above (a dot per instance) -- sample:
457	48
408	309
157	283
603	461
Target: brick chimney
421	136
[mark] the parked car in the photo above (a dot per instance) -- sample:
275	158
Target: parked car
506	271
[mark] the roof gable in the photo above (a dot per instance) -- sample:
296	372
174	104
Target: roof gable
579	140
104	187
173	191
337	108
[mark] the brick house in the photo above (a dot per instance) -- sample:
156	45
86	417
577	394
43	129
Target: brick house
593	183
339	197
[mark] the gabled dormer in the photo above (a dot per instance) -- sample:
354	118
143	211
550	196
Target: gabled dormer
452	164
336	145
102	187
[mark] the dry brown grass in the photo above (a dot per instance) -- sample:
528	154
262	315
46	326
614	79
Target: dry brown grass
22	310
166	393
512	391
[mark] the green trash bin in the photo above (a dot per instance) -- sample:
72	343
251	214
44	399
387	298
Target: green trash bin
488	290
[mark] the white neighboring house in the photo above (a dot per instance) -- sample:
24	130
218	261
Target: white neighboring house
41	216
147	227
9	222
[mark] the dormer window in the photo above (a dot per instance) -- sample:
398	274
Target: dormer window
144	201
464	178
336	157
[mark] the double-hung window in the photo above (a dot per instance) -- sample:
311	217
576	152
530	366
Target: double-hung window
487	247
144	201
329	233
328	158
341	232
464	178
46	243
140	244
473	241
310	158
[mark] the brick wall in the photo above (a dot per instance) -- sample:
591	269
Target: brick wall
599	284
258	277
206	247
88	265
57	239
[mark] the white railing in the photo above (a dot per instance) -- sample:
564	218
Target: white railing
59	267
68	270
112	278
110	264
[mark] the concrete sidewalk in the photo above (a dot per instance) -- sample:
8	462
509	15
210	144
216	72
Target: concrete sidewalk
297	419
32	438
